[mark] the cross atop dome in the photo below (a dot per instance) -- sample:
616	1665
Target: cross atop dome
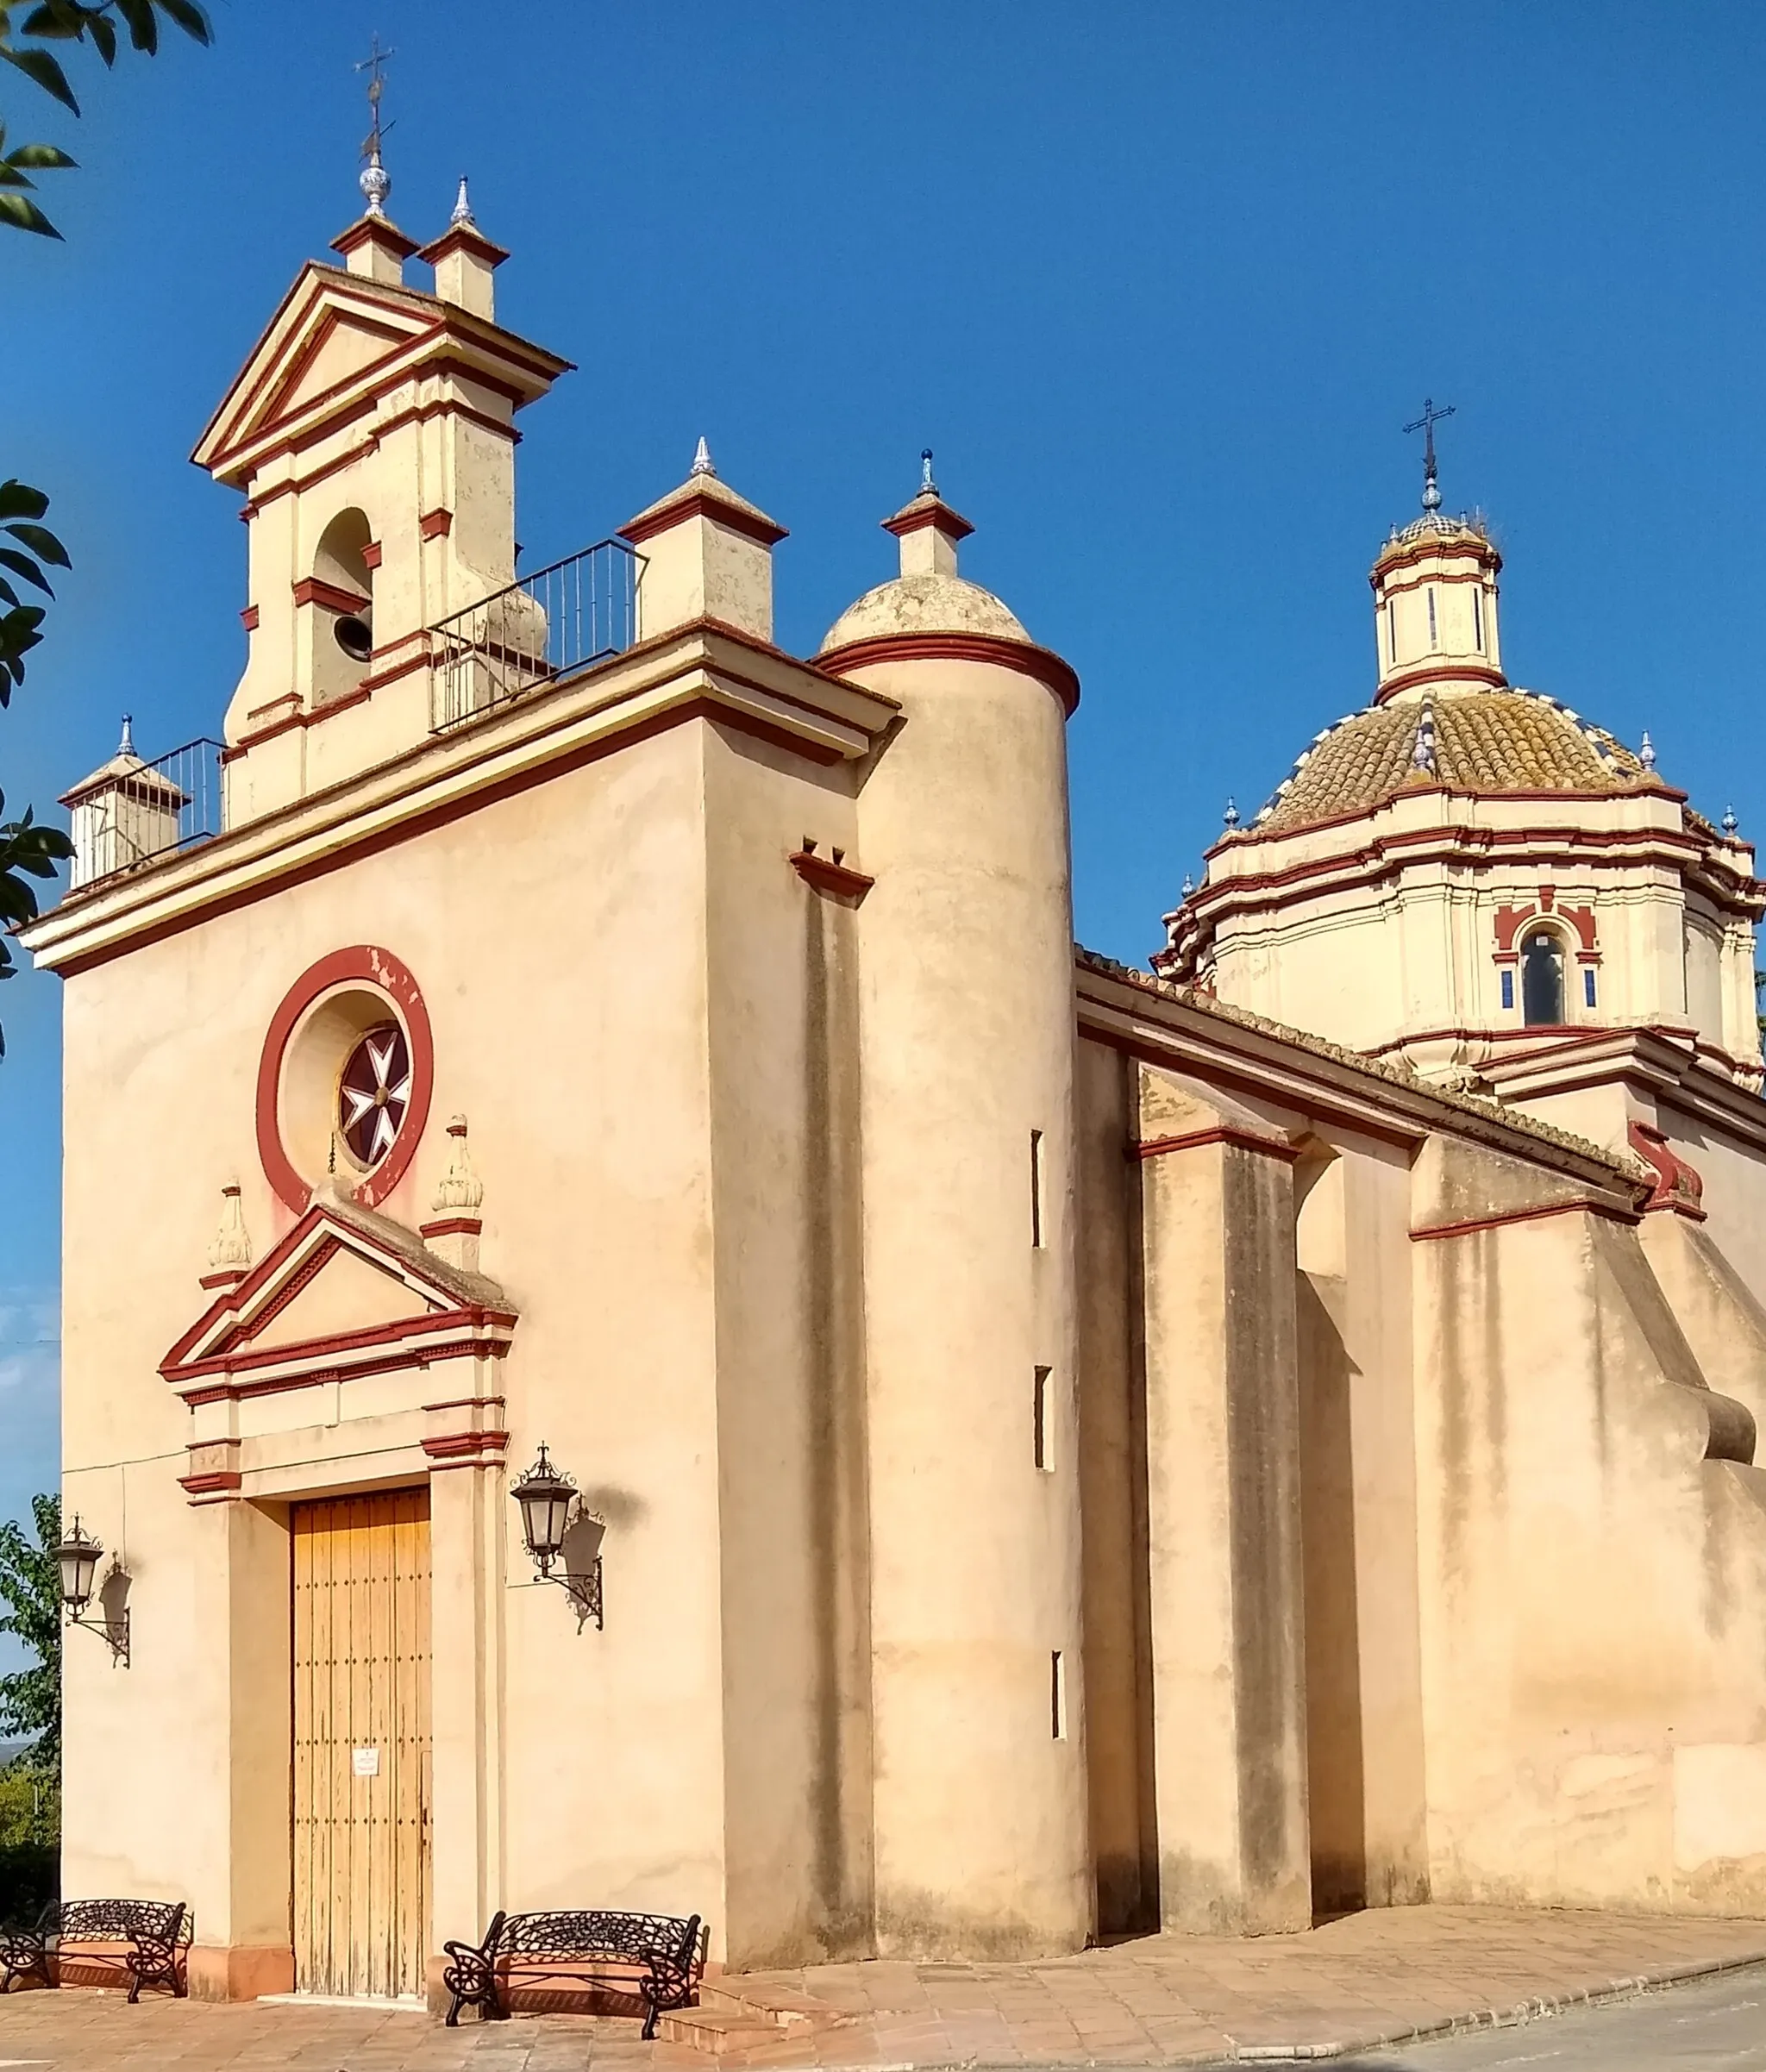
1425	424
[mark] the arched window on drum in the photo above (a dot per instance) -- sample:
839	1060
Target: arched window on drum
1542	979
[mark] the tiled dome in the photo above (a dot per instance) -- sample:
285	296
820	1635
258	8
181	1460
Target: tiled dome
1483	740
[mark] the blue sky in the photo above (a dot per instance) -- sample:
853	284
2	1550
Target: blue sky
1158	280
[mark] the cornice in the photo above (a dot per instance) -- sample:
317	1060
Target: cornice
704	671
1041	663
1166	1024
1385	853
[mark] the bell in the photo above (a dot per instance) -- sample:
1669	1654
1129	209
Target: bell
355	635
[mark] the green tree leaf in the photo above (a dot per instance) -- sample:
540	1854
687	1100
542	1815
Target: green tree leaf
38	65
23	215
39	157
42	542
30	1590
19	500
143	29
22	565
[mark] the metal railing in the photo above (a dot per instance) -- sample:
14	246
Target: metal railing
539	628
135	810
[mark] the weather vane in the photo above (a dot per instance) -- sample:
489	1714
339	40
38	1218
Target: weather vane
376	182
1425	424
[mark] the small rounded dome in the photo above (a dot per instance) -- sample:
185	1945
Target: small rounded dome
923	604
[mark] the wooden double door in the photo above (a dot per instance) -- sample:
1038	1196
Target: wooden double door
361	1744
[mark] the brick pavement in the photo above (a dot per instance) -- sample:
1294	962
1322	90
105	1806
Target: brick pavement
1384	1975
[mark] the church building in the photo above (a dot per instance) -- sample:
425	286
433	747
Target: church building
642	1330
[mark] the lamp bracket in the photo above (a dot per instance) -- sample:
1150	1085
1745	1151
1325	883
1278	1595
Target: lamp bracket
114	1632
584	1591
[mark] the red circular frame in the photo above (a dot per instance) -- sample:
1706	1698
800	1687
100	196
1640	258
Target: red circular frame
383	970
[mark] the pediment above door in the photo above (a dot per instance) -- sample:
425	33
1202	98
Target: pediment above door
345	1294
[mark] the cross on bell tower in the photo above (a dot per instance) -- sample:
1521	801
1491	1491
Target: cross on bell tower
376	182
1425	424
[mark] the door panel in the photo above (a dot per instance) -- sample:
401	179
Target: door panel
361	1742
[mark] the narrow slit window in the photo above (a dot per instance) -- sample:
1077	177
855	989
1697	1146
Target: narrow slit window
1431	618
1037	1221
1589	984
1391	631
1044	1411
1478	618
1508	991
1057	1696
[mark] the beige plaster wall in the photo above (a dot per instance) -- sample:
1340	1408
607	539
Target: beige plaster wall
1594	1561
560	940
1364	1727
792	1479
1226	1579
1112	1443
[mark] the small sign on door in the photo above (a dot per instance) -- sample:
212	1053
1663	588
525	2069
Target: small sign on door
366	1762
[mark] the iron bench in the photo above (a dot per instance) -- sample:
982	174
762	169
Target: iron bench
158	1934
590	1947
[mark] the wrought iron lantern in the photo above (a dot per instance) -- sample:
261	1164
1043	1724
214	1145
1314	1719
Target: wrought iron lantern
550	1510
77	1556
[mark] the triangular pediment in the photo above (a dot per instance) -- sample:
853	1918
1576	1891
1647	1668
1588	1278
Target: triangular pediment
344	1288
334	331
338	335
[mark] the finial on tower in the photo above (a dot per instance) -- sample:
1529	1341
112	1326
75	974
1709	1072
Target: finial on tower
1731	824
702	460
1425	424
463	208
1646	754
376	182
928	486
126	745
1230	818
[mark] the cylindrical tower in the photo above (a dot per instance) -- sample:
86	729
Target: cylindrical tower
967	1033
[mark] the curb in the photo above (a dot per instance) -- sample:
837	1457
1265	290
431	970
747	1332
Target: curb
1500	2018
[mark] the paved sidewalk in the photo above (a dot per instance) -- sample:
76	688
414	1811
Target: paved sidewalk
1385	1976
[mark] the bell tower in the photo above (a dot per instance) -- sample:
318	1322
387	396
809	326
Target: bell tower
372	434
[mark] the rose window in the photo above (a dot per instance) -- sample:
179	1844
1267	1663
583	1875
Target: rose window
374	1094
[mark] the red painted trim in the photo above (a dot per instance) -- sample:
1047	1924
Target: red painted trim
1581	1205
417	414
1218	1133
387	1363
228	1278
827	876
311	591
374	230
518	781
1452	669
381	970
452	1226
463	237
381	678
936	513
207	1483
698	504
248	618
373	555
332	1346
467	1403
1678	1186
1041	663
436	524
1459	840
455	1444
1404	553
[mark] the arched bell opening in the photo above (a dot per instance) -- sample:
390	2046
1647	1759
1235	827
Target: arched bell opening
342	594
1545	961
